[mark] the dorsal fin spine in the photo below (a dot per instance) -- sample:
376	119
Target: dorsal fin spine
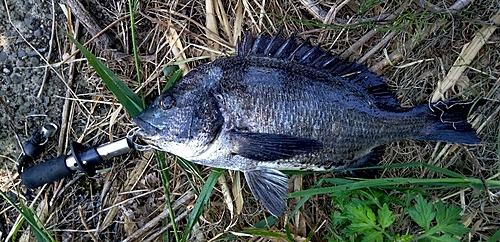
256	43
309	56
274	38
285	48
292	55
318	62
247	43
279	53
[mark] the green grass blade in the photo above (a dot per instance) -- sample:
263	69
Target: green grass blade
202	200
395	183
131	7
172	74
192	172
29	216
443	171
130	101
39	233
165	178
495	237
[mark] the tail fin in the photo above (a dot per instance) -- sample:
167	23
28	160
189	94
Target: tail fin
450	123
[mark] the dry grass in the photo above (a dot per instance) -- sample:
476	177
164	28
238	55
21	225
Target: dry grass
424	45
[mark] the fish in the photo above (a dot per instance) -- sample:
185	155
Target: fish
282	104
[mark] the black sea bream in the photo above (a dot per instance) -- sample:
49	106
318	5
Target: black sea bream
284	105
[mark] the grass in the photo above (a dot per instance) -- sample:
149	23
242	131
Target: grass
445	184
28	215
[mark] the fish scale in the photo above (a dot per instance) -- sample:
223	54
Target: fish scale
284	105
262	97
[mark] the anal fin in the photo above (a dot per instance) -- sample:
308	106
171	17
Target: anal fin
270	187
372	159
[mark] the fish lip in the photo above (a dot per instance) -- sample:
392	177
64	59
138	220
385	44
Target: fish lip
145	126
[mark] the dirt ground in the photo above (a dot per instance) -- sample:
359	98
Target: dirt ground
43	79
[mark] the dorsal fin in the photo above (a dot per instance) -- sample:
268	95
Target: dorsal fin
275	46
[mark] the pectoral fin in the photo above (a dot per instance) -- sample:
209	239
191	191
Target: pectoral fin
269	147
270	187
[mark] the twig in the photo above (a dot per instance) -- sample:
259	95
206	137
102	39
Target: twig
370	34
361	41
465	58
66	106
82	218
300	220
90	23
52	33
154	222
407	47
216	39
397	55
238	22
330	16
322	15
378	46
211	24
452	9
458	5
478	169
314	9
226	194
96	36
163	229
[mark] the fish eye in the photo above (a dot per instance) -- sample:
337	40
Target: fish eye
168	102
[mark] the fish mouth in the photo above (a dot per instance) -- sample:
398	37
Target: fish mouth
146	127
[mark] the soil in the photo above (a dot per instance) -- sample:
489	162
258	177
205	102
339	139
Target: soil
25	33
126	194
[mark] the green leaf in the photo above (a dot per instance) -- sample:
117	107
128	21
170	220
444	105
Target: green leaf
403	238
268	222
30	216
443	171
338	219
394	183
373	236
448	219
422	213
131	9
385	216
443	238
130	101
362	218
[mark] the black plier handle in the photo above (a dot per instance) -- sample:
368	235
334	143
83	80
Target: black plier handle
82	158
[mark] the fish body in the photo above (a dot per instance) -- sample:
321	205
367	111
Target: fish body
284	105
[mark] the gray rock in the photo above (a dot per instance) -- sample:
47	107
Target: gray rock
34	61
16	78
38	33
20	63
6	70
21	53
3	56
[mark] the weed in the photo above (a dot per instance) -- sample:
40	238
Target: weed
364	215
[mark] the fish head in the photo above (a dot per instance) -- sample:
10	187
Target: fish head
184	122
